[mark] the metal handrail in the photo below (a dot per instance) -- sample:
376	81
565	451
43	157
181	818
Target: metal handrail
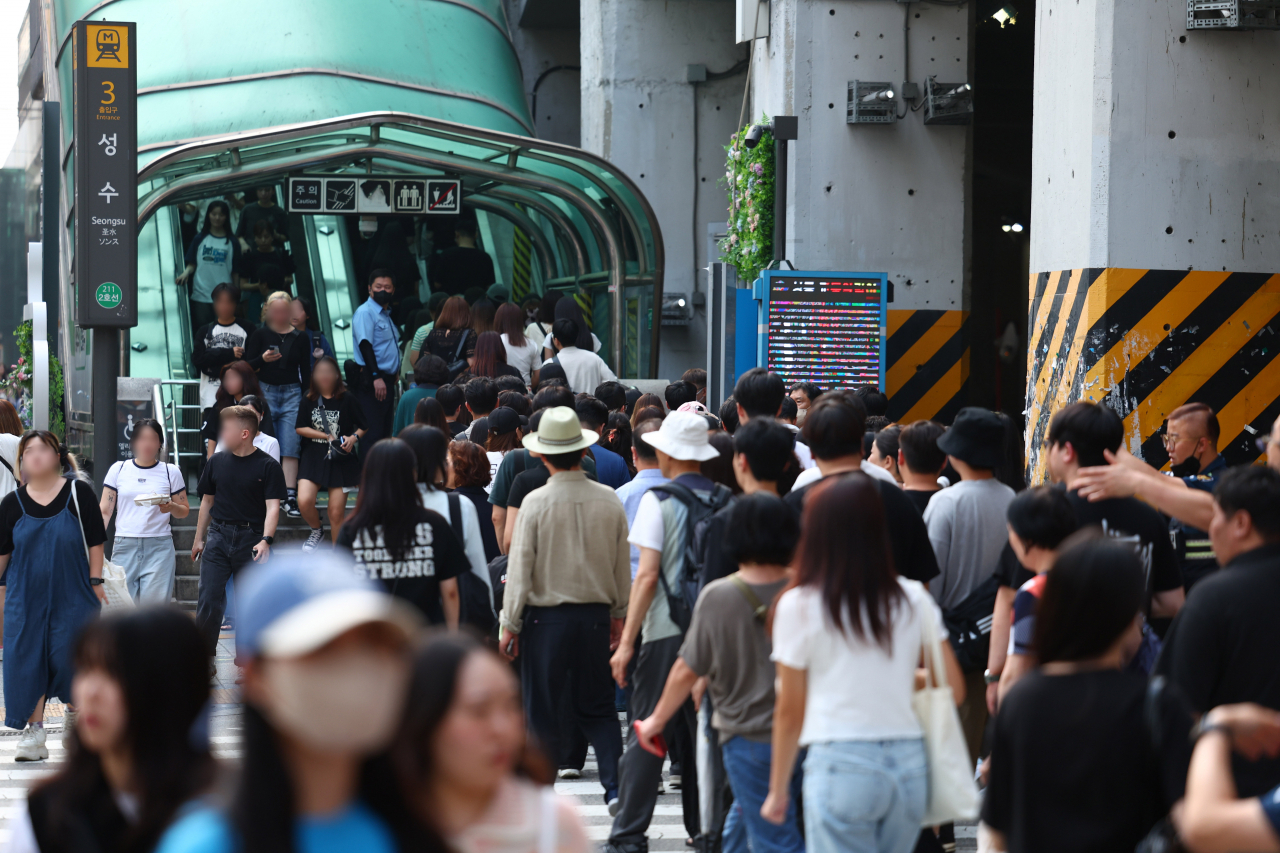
169	418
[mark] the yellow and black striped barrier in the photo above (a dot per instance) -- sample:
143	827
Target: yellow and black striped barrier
926	365
1146	341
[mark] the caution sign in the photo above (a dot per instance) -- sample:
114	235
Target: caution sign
106	174
444	196
306	195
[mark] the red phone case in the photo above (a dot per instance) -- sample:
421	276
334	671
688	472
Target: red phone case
660	742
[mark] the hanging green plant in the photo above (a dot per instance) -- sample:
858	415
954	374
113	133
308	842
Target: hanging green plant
749	179
17	382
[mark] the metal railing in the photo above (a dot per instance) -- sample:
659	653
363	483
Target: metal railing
170	417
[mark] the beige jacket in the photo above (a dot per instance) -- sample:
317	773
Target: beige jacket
569	547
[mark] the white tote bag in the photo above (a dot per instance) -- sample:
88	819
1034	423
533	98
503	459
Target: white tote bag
952	792
113	580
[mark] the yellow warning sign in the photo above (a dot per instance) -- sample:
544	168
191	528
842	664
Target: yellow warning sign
108	46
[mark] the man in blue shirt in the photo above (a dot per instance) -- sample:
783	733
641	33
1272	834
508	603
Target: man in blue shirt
648	475
377	351
611	469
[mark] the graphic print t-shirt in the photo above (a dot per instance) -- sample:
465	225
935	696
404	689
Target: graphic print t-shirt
219	344
215	259
435	555
340	417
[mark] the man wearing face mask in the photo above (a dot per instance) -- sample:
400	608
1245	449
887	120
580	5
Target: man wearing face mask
377	351
326	664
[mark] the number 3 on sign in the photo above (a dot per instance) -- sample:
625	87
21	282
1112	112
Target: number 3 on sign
108	92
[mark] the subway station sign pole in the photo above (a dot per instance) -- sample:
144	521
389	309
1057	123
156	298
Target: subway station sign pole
106	209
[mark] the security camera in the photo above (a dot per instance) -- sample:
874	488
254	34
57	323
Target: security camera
753	136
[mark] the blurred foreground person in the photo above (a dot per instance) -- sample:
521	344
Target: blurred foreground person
325	657
141	679
465	761
1085	754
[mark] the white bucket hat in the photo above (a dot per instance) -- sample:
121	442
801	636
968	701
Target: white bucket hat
560	431
683	435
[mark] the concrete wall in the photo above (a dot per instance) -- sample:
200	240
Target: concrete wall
1143	126
638	112
862	197
559	103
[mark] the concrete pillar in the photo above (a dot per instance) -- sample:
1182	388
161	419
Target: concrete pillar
640	112
879	198
1154	236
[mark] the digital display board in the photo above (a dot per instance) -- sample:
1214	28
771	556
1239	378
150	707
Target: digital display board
826	328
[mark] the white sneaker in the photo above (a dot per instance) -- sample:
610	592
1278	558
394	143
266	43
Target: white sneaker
569	773
674	781
31	745
313	540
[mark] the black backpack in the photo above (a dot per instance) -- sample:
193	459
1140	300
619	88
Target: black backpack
476	602
969	625
700	505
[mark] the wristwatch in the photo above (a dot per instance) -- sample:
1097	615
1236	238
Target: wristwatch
95	581
990	677
270	540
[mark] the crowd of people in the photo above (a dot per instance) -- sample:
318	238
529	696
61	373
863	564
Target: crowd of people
758	591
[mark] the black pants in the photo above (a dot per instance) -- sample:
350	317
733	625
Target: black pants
201	314
227	550
640	772
565	650
378	414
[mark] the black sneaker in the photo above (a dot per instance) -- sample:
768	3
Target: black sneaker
291	508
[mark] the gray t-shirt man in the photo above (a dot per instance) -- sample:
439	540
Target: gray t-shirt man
728	644
968	531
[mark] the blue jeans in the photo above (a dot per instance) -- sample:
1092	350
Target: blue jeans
865	796
747	763
283	401
149	565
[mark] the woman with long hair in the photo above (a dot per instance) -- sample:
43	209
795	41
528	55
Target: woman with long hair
281	356
846	643
545	318
51	558
452	339
522	353
144	493
431	447
390	531
482	314
490	360
302	314
325	657
463	757
141	679
470	477
236	382
617	437
1105	775
213	258
720	469
330	424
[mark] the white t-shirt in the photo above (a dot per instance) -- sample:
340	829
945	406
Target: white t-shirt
214	265
129	480
495	461
437	500
525	359
813	475
8	452
263	442
855	689
584	370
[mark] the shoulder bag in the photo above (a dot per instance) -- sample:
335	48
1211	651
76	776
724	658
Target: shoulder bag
113	579
459	362
952	793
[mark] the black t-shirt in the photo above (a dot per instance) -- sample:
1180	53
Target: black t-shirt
1074	766
1010	570
913	556
95	532
1222	647
458	268
252	263
210	421
525	482
253	212
293	369
435	555
241	486
1130	520
342	416
920	498
713	545
456	428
